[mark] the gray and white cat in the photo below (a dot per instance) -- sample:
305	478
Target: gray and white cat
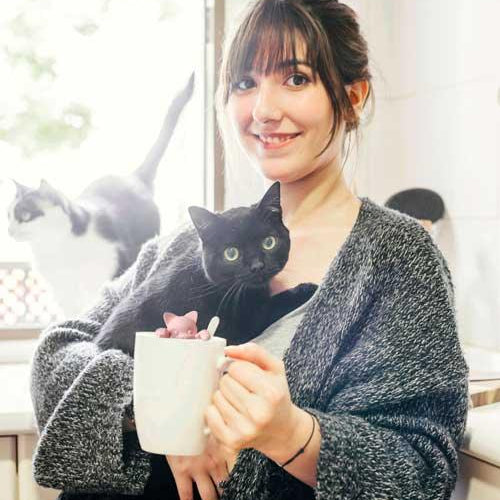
79	244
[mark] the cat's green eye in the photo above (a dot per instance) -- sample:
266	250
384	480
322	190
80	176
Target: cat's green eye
269	243
231	254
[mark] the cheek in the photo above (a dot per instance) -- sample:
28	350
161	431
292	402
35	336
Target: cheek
239	112
318	118
314	110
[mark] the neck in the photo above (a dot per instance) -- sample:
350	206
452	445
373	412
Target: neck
305	200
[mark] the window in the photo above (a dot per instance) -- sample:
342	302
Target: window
86	86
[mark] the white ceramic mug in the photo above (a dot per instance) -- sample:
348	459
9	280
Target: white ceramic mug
174	380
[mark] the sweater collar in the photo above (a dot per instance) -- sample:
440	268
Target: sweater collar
317	338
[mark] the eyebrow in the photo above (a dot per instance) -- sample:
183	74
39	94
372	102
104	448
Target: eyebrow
292	62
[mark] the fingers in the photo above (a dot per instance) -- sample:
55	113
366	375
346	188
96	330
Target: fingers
256	354
184	485
251	377
219	474
206	470
231	399
206	487
218	470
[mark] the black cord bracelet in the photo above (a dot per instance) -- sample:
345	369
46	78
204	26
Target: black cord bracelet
303	447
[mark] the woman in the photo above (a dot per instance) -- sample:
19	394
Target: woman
367	396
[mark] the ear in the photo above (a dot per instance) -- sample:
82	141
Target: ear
46	189
202	219
193	315
271	200
51	194
167	317
21	190
357	93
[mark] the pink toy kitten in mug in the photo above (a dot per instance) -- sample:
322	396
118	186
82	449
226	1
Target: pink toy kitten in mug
182	327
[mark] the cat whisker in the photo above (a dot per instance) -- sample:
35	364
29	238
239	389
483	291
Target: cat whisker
210	288
227	296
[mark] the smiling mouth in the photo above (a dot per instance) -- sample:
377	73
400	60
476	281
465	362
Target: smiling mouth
275	141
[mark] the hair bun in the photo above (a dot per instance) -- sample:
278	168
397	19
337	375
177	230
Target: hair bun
318	3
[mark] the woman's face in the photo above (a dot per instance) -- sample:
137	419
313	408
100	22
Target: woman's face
283	121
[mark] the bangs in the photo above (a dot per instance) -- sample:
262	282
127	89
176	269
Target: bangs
274	36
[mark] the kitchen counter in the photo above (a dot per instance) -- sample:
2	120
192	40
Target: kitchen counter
16	409
482	437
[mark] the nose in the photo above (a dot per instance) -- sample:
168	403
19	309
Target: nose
256	266
266	107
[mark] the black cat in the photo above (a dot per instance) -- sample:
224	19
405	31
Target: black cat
224	272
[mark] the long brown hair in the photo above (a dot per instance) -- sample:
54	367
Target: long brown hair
269	33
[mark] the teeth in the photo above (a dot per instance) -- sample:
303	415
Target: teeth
275	139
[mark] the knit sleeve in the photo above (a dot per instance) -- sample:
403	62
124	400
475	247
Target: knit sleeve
79	397
404	451
407	365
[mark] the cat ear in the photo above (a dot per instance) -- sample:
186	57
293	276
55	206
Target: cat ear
21	189
271	200
46	189
167	317
51	194
202	219
192	315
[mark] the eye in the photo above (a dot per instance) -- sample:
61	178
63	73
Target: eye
231	254
269	243
298	80
25	216
243	84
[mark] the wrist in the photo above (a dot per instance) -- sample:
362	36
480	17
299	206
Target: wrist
292	439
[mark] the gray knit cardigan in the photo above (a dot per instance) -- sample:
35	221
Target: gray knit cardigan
376	358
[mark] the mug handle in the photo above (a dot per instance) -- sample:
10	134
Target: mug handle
222	363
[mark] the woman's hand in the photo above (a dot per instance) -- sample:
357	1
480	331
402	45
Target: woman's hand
252	406
206	470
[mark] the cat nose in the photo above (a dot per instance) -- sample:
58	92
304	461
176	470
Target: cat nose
256	266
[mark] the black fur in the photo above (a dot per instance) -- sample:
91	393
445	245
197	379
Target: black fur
204	280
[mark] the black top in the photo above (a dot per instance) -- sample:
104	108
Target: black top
281	304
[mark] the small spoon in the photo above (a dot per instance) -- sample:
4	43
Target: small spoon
212	326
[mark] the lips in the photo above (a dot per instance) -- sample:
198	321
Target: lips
276	140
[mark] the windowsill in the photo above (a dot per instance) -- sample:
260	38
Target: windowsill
19	332
17	345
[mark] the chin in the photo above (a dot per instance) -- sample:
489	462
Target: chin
282	177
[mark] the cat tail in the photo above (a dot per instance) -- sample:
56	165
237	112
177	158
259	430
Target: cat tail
147	171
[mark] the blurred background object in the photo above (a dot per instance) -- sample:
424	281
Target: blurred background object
423	204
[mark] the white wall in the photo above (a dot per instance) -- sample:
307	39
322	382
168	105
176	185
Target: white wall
437	125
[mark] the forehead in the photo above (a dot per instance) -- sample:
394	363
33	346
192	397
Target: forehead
29	201
272	50
19	205
248	226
